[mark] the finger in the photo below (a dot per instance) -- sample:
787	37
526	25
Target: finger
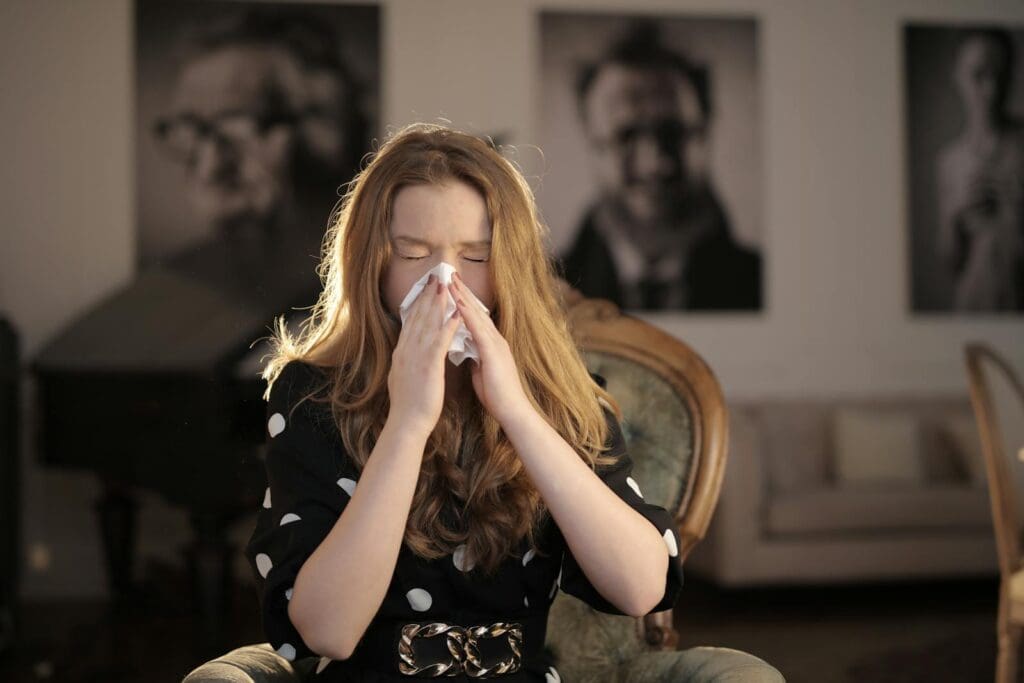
438	305
421	301
477	322
467	295
448	331
428	320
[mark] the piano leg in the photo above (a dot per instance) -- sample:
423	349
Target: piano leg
211	560
116	510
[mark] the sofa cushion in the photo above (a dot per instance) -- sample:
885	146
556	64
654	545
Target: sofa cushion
795	440
944	508
958	434
876	446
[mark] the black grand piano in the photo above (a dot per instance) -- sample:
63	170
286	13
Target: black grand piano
158	387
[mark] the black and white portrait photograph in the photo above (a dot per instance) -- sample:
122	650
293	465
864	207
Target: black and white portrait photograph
251	116
964	106
650	128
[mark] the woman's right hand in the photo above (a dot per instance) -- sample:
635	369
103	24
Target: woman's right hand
416	382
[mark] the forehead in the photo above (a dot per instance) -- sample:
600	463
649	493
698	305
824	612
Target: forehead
237	77
624	95
448	213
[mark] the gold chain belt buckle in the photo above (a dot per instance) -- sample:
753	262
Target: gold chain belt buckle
463	647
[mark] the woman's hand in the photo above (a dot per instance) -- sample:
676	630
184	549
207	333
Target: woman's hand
495	377
416	379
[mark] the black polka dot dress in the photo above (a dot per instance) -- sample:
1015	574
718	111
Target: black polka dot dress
310	482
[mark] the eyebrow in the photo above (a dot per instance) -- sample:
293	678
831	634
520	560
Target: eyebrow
416	240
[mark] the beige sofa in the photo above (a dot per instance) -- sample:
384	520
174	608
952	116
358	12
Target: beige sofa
850	489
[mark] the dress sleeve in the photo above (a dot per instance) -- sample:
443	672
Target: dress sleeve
618	477
310	482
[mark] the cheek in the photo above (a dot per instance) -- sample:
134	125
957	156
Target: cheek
482	289
610	169
393	289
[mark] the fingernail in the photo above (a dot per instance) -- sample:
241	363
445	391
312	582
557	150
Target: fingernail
430	279
457	277
440	287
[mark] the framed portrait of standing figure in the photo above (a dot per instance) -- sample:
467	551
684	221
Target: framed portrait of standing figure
965	151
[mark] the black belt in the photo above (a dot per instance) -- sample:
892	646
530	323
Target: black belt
432	649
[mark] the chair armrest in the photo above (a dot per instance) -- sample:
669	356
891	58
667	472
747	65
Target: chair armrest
699	665
252	664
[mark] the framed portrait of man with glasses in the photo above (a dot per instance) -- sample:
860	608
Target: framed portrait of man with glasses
251	117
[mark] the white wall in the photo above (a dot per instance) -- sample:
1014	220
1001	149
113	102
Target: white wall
834	226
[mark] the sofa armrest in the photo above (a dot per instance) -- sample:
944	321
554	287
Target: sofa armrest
736	526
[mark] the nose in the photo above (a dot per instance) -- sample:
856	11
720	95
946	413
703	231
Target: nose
651	161
213	159
448	256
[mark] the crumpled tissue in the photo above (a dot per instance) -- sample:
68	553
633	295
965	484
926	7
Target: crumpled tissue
462	346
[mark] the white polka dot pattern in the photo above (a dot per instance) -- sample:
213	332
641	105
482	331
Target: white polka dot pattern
263	564
459	559
275	425
347	485
633	485
419	599
670	541
307	469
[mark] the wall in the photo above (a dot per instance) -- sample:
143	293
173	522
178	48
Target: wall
834	231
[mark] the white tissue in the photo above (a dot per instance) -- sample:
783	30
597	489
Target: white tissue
462	346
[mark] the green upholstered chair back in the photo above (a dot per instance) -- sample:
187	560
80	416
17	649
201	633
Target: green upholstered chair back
657	426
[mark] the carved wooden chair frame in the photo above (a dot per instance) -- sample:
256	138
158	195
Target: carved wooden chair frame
599	325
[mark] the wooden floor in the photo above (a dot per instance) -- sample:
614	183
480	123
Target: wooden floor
887	633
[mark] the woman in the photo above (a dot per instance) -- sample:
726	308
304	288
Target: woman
981	181
411	499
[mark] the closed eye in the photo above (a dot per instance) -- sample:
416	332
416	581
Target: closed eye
417	258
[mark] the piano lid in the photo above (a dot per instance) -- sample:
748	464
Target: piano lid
197	312
160	322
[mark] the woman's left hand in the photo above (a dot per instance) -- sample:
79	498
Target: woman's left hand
495	376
